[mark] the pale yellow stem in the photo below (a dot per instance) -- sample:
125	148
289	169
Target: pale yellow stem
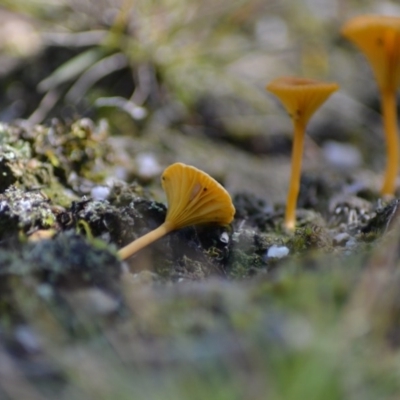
138	244
392	141
294	186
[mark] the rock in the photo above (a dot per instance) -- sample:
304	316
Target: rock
277	252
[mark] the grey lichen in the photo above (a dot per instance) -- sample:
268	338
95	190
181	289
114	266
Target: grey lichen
24	211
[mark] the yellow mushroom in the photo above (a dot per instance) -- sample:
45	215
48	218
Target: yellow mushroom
378	37
301	97
194	197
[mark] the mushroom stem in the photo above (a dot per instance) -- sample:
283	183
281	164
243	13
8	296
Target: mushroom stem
392	142
150	237
294	186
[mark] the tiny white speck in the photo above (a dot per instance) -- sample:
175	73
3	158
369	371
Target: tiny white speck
277	251
224	238
3	205
26	205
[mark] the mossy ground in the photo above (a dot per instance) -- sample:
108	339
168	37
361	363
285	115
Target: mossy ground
204	307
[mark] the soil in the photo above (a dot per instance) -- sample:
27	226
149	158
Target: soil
64	215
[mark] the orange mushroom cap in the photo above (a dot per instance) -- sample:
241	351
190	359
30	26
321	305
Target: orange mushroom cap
194	197
378	37
301	96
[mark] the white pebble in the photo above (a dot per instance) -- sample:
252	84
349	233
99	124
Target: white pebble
277	251
224	238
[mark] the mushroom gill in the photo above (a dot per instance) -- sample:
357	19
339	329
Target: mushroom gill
193	197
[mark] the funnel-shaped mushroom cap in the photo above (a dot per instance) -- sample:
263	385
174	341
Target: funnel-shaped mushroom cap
194	197
300	96
378	37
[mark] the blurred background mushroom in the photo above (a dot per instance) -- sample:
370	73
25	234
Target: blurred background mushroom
301	97
378	37
192	71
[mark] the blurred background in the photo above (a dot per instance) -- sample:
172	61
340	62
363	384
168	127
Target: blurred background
197	69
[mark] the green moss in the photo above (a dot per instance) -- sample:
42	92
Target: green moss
310	237
244	264
22	211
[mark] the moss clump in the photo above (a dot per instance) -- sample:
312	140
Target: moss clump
70	260
74	155
311	237
78	153
244	264
248	252
33	273
24	211
18	164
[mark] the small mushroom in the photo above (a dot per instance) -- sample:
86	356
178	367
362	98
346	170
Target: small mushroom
301	97
378	37
194	197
